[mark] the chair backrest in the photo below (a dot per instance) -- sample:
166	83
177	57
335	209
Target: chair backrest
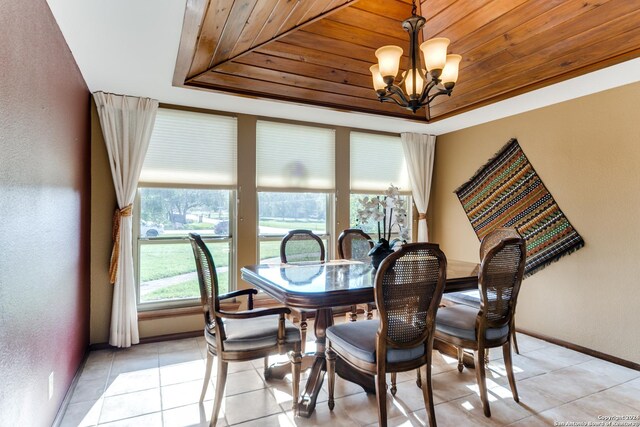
494	237
355	244
207	278
301	245
500	278
408	289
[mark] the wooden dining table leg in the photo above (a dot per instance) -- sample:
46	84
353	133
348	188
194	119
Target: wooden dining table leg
452	351
307	403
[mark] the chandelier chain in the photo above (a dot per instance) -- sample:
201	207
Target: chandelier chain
414	8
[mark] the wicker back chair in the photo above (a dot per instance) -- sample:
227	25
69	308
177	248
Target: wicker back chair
355	244
494	237
501	275
492	324
239	336
472	297
408	288
301	245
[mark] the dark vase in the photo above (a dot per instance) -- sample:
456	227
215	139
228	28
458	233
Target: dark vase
379	252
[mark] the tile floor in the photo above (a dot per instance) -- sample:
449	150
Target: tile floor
159	385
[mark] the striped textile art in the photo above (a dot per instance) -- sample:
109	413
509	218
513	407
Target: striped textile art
507	192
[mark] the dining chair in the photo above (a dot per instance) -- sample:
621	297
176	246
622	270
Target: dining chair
355	244
408	289
472	297
300	246
243	335
491	325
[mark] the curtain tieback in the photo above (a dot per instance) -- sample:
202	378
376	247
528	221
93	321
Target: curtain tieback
115	252
422	216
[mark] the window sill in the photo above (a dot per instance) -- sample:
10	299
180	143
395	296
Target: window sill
263	300
183	311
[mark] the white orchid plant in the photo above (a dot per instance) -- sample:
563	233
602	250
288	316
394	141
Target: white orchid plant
389	212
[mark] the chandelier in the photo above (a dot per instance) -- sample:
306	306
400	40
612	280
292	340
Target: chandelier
422	86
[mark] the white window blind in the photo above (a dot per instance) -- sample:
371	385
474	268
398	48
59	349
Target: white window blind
377	161
294	157
191	148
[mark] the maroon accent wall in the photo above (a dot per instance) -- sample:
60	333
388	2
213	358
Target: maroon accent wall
44	224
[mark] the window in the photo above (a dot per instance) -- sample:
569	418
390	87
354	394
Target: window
167	269
376	162
281	212
187	185
295	176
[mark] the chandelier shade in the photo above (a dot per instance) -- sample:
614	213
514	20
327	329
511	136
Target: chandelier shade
378	81
423	84
389	60
435	53
449	74
407	76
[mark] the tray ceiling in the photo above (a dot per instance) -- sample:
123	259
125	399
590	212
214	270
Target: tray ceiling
319	51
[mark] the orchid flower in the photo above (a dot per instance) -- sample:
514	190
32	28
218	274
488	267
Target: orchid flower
388	211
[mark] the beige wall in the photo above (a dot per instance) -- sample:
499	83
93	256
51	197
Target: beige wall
103	203
587	152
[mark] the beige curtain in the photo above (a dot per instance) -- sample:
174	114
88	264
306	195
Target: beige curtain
419	152
127	123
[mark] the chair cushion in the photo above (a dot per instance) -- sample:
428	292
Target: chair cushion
460	321
470	298
359	339
255	333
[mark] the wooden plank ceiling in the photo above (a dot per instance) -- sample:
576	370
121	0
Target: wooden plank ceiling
319	51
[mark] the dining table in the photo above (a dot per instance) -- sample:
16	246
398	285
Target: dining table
320	286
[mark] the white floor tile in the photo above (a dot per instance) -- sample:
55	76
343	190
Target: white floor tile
159	384
130	405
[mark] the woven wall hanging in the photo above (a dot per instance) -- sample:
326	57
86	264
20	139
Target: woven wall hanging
507	192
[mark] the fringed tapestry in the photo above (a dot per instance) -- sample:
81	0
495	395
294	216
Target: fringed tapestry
507	192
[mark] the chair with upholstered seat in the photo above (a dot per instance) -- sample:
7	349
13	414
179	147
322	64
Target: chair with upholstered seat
490	326
408	289
240	336
355	244
472	297
301	246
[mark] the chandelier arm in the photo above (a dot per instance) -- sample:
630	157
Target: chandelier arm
397	90
425	92
387	98
437	94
